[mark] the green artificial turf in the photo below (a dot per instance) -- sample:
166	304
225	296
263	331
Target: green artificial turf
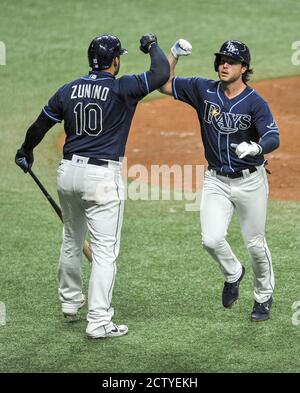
167	290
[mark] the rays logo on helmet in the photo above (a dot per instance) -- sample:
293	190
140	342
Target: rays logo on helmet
232	48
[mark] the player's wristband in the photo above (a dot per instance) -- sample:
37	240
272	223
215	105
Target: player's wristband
260	149
151	45
173	51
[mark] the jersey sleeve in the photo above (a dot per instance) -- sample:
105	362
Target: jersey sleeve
263	119
54	109
187	90
138	86
134	86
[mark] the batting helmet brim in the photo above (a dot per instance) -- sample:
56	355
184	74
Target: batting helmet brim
123	51
232	55
228	54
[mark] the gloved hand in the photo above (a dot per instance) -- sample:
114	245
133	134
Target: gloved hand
181	48
147	40
244	149
24	159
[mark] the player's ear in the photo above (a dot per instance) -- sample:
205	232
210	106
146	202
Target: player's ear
116	61
244	68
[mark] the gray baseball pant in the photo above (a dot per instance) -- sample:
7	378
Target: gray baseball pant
248	197
91	197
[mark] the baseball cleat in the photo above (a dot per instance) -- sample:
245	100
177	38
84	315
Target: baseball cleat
231	291
261	311
117	331
72	314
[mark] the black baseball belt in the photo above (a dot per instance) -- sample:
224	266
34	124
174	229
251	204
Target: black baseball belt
93	161
236	175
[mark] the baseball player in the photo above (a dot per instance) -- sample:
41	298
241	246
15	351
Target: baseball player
97	110
237	129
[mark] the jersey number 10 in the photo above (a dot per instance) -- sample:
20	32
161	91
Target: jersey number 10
88	119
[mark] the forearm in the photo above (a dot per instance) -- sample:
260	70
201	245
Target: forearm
172	62
269	143
37	131
167	87
159	70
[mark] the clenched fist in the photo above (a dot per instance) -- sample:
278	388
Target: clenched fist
24	159
147	40
181	48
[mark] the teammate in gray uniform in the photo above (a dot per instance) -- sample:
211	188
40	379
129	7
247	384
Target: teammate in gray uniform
237	129
97	110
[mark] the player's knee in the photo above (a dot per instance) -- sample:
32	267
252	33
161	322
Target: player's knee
256	246
212	243
70	251
105	254
257	241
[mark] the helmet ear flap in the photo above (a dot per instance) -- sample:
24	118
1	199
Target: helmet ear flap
217	62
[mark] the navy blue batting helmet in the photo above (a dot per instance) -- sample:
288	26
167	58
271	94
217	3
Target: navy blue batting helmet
235	49
103	50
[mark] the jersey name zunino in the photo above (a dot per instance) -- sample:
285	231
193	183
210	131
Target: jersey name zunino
89	91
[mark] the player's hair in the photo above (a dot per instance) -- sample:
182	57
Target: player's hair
247	73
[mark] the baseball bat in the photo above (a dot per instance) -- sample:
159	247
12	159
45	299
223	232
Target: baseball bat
86	247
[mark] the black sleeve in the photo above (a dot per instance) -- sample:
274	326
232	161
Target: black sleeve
37	131
138	86
159	71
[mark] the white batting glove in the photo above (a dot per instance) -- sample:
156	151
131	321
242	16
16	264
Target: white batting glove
181	48
246	149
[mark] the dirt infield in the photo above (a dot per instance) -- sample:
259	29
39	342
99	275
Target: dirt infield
166	131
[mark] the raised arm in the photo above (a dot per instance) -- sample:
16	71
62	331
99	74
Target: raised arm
159	70
180	48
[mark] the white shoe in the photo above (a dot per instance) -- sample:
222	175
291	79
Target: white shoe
72	312
117	331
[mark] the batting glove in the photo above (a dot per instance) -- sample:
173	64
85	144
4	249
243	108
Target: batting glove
247	149
24	159
147	40
181	48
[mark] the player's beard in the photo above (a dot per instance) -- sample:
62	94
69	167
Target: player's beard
117	68
229	80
